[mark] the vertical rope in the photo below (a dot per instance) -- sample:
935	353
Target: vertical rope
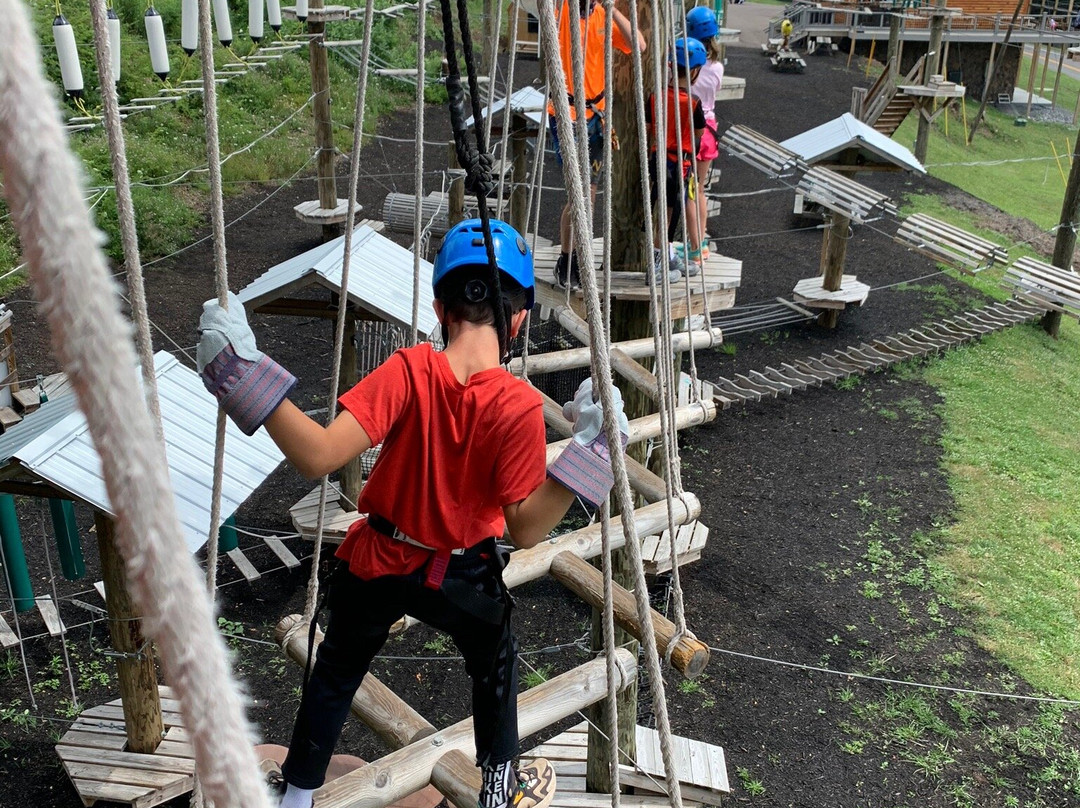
418	176
512	25
92	341
493	71
312	596
125	209
601	371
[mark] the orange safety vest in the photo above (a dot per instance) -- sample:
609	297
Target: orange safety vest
592	48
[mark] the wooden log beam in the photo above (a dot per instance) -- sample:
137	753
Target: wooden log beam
400	773
528	565
394	721
689	655
635	348
457	778
649	426
621	362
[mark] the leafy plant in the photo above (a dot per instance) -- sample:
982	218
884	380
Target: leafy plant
752	785
536	676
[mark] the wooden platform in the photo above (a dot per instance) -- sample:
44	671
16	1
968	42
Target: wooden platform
811	292
305	515
689	543
948	244
702	771
94	757
311	213
1045	285
723	276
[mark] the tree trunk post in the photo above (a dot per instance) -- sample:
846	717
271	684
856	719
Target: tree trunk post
519	197
1065	243
836	241
456	203
930	69
135	666
350	480
324	132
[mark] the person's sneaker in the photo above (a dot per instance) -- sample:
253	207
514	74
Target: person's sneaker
567	274
660	266
275	781
705	248
535	785
692	266
676	263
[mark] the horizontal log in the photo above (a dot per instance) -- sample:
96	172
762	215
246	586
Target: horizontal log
635	348
457	778
689	655
636	374
400	773
394	721
649	426
528	565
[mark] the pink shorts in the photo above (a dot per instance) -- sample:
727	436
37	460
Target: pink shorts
708	149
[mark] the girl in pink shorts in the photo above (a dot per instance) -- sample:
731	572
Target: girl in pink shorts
701	25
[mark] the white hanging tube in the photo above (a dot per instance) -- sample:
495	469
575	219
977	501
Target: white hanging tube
273	14
189	26
114	43
255	20
68	54
301	10
155	35
222	22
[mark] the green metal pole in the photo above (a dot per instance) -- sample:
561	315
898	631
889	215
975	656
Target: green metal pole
67	538
227	538
18	576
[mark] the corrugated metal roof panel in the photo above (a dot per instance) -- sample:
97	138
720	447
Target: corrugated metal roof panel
65	455
528	101
36	423
847	131
380	278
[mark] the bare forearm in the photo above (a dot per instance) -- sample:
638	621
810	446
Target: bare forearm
315	450
531	520
622	22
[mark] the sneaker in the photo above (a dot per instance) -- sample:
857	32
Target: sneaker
692	266
676	263
535	785
275	782
567	274
705	248
660	267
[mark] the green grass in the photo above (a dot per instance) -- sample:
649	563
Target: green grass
1012	447
165	142
1032	189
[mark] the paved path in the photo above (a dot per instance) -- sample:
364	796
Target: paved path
752	19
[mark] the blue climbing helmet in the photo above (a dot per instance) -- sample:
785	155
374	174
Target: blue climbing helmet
701	23
689	53
463	246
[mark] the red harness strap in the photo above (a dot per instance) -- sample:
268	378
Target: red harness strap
436	568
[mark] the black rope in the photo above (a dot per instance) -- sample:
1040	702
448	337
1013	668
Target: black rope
475	159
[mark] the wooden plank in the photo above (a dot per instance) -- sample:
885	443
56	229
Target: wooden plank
554	752
247	569
50	615
91	791
8	638
94	740
106	773
114	712
282	552
129	760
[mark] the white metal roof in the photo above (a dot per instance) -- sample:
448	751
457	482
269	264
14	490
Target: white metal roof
65	455
847	131
380	278
527	101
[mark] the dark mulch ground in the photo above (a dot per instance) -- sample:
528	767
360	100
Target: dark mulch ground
822	511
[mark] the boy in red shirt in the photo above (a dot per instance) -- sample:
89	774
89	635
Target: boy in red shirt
462	462
686	63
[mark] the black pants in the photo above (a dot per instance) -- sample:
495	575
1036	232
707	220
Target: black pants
360	616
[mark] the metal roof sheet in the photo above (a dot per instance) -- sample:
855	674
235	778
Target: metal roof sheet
847	131
380	278
65	456
36	423
527	101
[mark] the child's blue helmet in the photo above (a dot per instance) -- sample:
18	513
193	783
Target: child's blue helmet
701	23
463	246
689	53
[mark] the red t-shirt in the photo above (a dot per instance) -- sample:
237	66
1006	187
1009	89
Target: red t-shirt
452	456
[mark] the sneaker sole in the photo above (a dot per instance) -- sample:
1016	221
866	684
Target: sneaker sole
537	781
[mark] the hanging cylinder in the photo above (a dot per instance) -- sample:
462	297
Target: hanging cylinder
255	20
155	35
189	26
301	10
68	546
227	538
13	557
114	43
273	14
223	22
68	54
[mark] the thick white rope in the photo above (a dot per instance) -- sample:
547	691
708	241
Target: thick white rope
513	28
125	209
492	49
418	155
602	384
312	597
92	340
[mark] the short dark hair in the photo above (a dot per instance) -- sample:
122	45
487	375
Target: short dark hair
466	295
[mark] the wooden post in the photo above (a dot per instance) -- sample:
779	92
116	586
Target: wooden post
457	778
135	667
1031	78
930	68
1046	68
456	193
893	58
1057	75
689	655
519	196
994	70
409	769
858	100
1065	243
350	480
320	107
833	268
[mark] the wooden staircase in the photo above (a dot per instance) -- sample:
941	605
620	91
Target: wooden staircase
885	106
